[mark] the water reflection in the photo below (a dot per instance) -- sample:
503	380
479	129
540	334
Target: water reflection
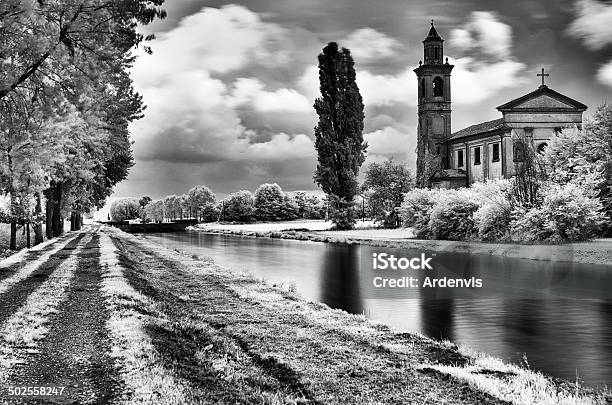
558	315
340	278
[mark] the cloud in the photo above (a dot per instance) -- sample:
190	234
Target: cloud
604	74
252	90
367	43
486	64
387	140
199	104
474	81
483	33
593	23
388	89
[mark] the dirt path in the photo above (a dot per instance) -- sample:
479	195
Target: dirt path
117	319
75	352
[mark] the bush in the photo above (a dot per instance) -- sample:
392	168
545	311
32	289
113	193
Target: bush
125	209
452	218
416	209
492	219
238	207
492	222
567	213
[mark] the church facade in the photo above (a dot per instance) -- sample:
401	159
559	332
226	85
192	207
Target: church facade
489	150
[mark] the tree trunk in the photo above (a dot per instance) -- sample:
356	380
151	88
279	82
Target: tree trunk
49	214
58	223
13	243
73	221
27	225
38	233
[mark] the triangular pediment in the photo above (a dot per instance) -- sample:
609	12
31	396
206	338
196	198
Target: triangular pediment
544	99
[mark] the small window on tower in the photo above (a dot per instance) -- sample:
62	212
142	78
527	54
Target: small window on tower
459	158
438	87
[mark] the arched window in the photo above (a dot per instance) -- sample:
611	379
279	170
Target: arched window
438	87
422	88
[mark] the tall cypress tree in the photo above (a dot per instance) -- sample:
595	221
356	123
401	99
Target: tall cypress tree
339	133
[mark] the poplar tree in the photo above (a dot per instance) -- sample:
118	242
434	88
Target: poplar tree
339	133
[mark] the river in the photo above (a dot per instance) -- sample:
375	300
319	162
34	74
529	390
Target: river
557	316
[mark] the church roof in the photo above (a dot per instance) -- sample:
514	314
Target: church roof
433	35
483	127
556	101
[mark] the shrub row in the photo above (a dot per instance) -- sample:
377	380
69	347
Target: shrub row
486	211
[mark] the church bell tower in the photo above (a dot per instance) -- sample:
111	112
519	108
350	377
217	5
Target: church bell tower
434	108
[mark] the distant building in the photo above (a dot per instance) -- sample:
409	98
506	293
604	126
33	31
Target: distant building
488	150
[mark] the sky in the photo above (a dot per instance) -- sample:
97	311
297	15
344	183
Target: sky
229	87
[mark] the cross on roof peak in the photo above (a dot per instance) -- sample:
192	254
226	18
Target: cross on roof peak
543	75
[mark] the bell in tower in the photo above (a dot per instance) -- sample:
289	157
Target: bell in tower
434	108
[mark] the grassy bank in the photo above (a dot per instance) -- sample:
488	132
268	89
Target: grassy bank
594	252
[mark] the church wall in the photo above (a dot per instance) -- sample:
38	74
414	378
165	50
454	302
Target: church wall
508	157
494	166
454	156
532	119
476	171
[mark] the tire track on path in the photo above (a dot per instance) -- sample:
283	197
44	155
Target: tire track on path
33	268
23	329
145	379
76	351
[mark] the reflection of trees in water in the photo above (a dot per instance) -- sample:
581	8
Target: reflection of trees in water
340	278
437	317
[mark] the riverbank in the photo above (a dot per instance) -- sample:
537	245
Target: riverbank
593	252
115	317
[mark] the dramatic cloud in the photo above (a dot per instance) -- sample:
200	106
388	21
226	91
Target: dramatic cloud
475	81
593	23
483	33
604	75
367	43
487	65
201	107
251	90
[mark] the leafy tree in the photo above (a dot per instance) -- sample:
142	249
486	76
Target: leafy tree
69	62
155	210
125	209
385	185
238	207
143	201
339	133
202	201
271	204
585	158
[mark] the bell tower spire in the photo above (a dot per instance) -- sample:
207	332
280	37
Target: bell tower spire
434	108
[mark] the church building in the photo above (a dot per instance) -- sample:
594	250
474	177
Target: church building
489	150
